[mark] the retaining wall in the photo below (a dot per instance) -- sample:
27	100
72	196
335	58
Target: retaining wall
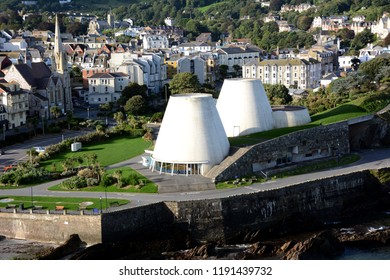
295	207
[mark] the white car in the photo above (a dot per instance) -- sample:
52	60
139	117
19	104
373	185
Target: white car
40	149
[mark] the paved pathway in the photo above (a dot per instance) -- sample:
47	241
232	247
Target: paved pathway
370	159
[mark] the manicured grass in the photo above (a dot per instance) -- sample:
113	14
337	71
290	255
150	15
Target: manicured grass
109	152
50	203
312	167
149	186
341	113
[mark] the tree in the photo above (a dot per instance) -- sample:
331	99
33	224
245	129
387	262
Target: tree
119	117
237	69
55	111
223	69
131	90
69	118
371	68
135	105
304	22
278	94
362	39
275	5
184	83
355	62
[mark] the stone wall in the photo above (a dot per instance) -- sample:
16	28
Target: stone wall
297	207
137	221
308	144
50	228
370	134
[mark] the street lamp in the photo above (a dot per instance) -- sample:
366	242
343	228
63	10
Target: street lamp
43	124
105	191
88	113
100	205
32	198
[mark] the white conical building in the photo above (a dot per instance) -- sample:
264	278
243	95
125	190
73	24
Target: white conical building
244	107
191	139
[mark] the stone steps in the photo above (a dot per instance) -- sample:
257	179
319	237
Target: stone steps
234	154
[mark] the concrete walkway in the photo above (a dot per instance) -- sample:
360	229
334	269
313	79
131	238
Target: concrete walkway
168	183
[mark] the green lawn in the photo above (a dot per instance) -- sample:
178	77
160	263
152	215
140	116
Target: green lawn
108	152
69	203
149	186
214	5
357	108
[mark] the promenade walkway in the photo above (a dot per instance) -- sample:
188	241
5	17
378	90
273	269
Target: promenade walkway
370	159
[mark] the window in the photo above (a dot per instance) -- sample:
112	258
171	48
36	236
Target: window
106	88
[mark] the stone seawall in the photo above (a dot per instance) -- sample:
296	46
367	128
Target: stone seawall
293	208
299	207
51	228
132	222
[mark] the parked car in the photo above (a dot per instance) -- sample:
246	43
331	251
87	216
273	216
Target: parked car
40	149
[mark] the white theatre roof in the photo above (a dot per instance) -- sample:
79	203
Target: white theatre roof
191	132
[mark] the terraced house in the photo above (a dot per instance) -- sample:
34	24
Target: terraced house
293	72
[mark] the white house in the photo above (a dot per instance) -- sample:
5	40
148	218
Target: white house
144	69
237	56
17	44
105	87
15	103
382	26
194	47
150	41
295	72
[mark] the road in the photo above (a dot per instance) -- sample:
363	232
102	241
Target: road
18	152
370	159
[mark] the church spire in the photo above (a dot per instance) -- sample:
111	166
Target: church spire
60	61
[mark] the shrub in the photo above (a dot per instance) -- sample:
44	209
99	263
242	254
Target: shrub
107	180
74	183
92	182
132	179
86	173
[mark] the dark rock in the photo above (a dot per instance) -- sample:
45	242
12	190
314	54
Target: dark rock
323	245
70	246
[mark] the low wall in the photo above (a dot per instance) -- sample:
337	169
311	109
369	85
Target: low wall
50	228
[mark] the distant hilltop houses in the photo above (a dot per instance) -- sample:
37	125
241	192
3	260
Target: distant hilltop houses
381	27
36	64
298	8
31	3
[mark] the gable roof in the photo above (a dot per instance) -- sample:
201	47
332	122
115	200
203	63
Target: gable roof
37	75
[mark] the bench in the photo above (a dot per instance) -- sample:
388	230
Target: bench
82	208
11	206
38	207
60	207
